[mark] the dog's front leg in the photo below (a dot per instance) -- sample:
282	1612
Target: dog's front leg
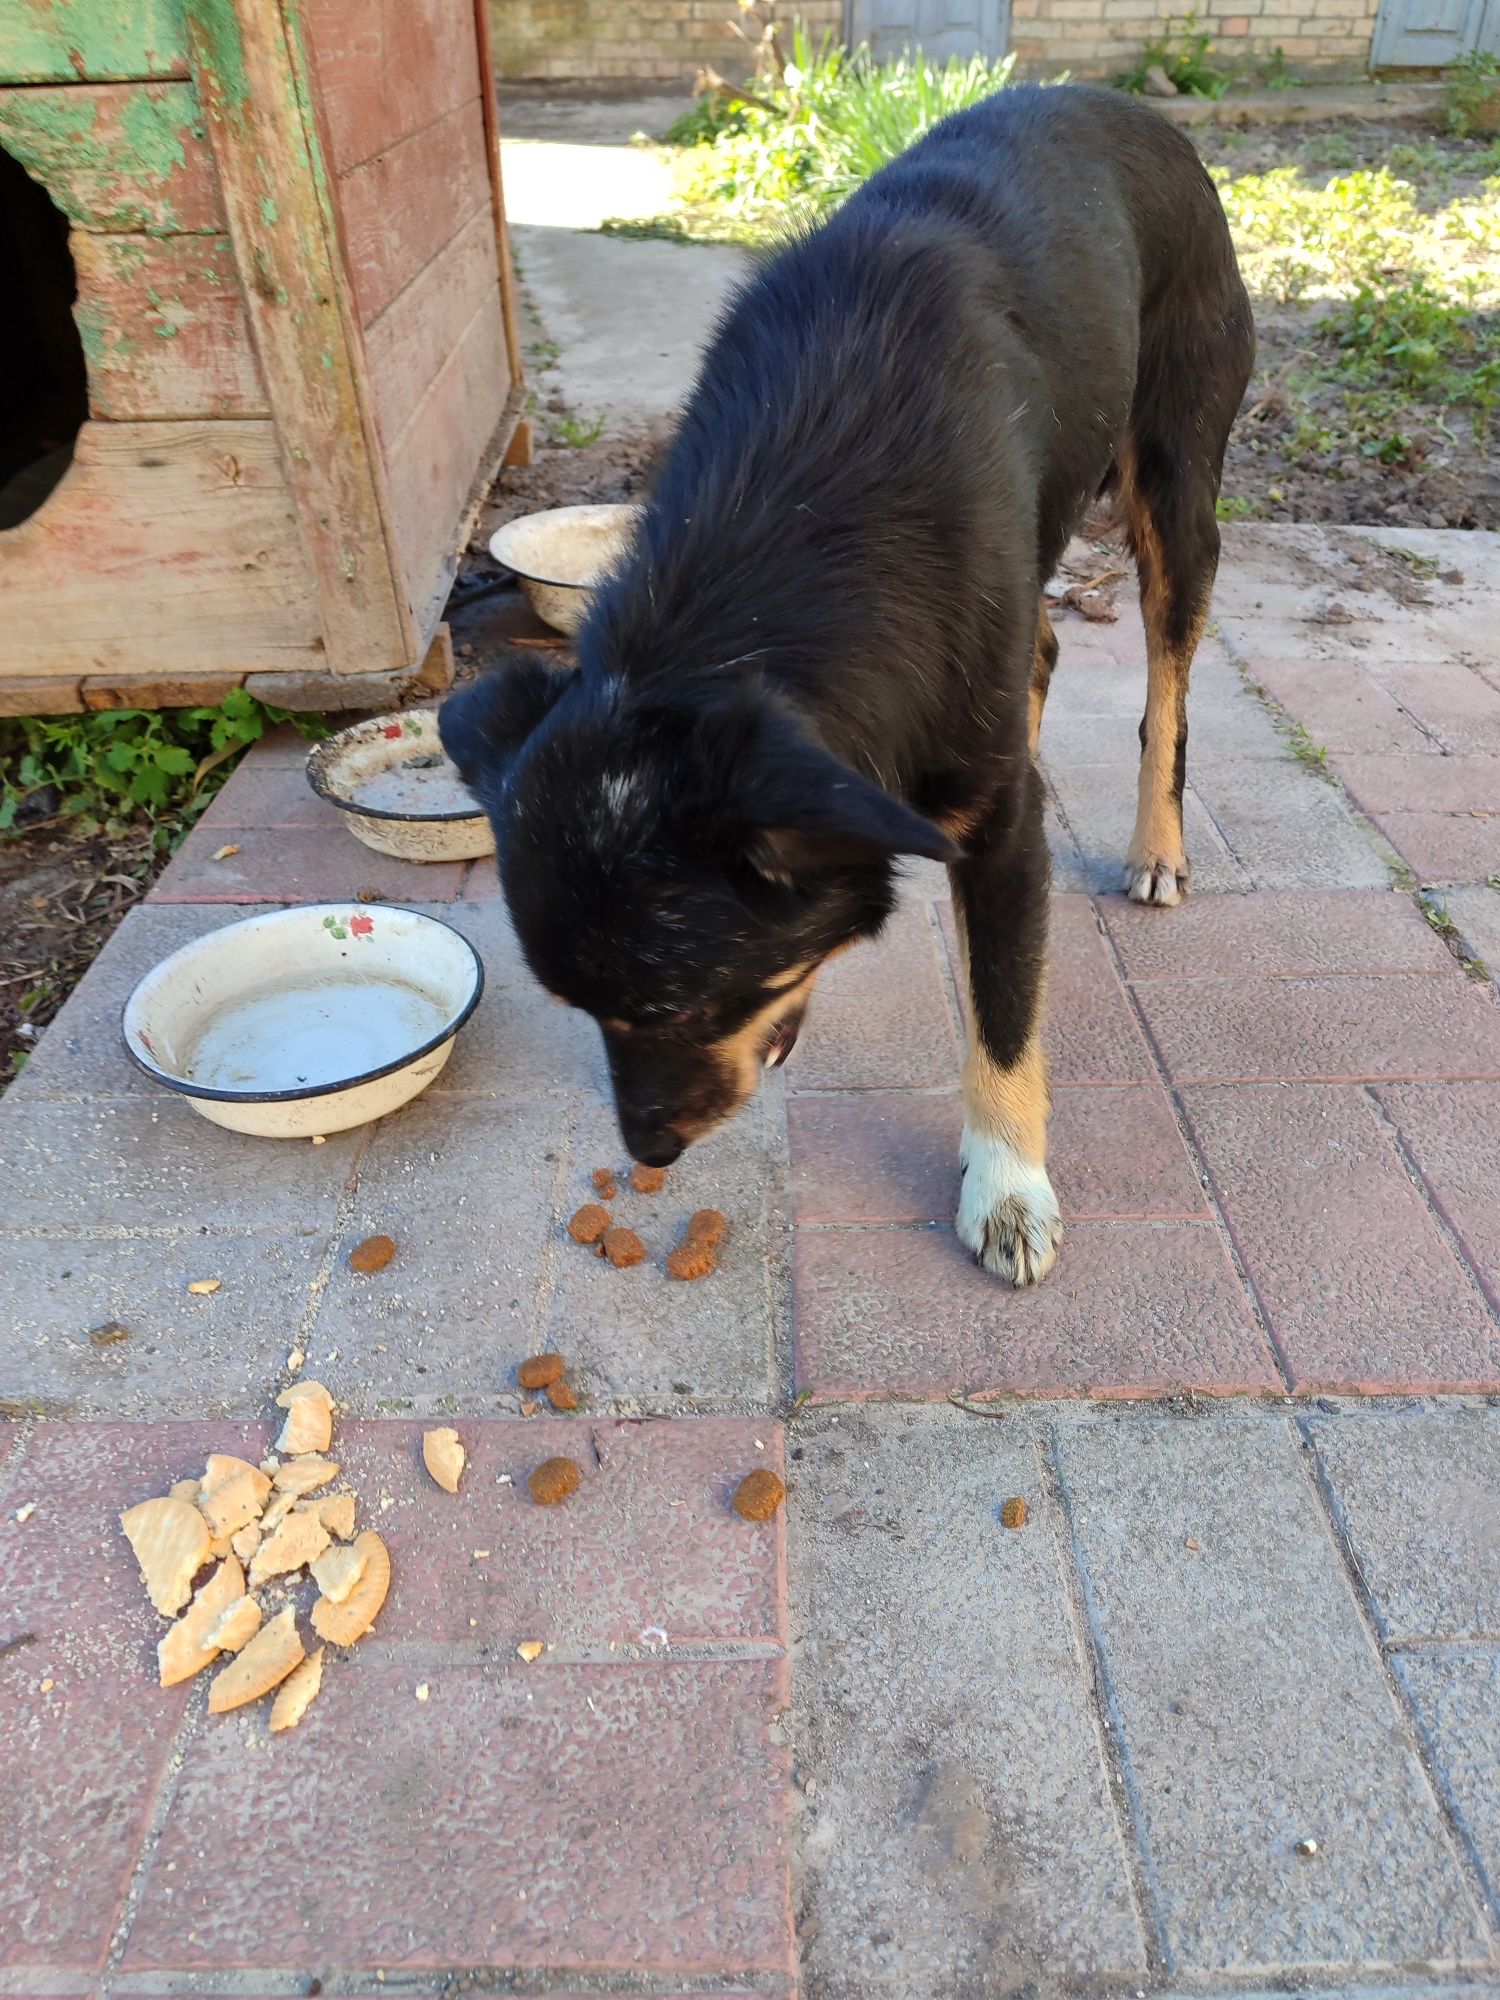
1007	1212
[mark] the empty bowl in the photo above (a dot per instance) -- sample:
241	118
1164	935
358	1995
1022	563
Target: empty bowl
399	790
305	1021
558	556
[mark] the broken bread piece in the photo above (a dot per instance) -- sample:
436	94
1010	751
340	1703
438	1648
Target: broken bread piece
342	1624
171	1541
184	1489
237	1626
301	1475
337	1571
188	1647
247	1541
309	1418
231	1494
334	1510
265	1663
300	1539
443	1455
295	1695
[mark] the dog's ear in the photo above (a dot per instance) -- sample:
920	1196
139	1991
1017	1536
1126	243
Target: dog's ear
483	725
805	813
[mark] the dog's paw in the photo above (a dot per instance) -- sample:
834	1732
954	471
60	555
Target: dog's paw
1007	1212
1162	882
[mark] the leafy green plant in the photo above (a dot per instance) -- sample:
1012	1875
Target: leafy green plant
1471	90
1235	509
573	431
127	766
1276	73
1182	55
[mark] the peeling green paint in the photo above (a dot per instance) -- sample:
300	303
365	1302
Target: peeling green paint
222	52
152	133
269	212
61	41
107	173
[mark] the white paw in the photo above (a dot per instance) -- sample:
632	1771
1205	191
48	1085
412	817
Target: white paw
1007	1213
1164	883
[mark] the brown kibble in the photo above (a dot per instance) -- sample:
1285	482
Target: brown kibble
707	1226
553	1480
648	1180
295	1695
265	1663
1013	1513
561	1396
172	1542
693	1259
443	1455
110	1334
342	1624
622	1247
604	1180
373	1254
758	1494
589	1223
541	1371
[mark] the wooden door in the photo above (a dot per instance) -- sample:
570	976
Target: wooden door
1425	34
939	28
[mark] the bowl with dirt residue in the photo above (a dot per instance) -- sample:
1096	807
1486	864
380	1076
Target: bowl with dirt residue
560	555
305	1021
399	790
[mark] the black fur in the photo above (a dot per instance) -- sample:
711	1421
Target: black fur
816	657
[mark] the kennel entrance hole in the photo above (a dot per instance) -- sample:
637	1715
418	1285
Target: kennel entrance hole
44	396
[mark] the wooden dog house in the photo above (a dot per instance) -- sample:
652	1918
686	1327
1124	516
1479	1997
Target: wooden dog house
296	364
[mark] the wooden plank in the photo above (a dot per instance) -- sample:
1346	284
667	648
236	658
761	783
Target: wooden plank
387	68
61	41
117	156
20	694
156	691
413	338
168	549
252	76
401	207
509	304
164	328
434	461
518	452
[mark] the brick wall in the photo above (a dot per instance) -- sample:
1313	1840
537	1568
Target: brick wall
616	40
1101	37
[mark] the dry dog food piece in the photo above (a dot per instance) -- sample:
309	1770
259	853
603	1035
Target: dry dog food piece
561	1396
648	1180
622	1247
188	1646
604	1181
295	1695
373	1254
443	1455
265	1663
309	1418
300	1539
707	1226
304	1474
541	1371
553	1480
589	1223
342	1624
1013	1513
237	1626
693	1259
758	1495
232	1493
338	1570
334	1510
172	1543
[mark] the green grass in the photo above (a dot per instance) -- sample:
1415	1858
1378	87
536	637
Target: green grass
574	431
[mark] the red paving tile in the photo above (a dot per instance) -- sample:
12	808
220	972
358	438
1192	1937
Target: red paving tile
625	1818
1277	931
892	1156
1131	1309
1338	704
1452	1131
1444	847
1330	1029
1422	784
649	1539
483	883
880	1015
80	1765
1447	698
298	865
1356	1280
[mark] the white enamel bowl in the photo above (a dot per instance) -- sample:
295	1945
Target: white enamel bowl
401	794
305	1021
559	555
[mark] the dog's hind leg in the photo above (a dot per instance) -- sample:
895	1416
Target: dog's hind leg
1043	660
1007	1213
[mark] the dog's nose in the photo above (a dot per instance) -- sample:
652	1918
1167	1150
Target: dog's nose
655	1149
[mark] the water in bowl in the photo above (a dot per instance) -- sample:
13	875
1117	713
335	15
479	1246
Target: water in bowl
312	1033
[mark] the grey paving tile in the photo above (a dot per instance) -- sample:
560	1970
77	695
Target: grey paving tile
1289	828
519	1042
1099	801
958	1836
1254	1709
1476	911
1456	1694
1418	1494
186	1355
464	1187
135	1162
638	1336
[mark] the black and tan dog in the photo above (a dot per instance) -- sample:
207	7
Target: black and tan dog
829	648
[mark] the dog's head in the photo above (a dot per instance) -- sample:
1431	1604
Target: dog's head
679	864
